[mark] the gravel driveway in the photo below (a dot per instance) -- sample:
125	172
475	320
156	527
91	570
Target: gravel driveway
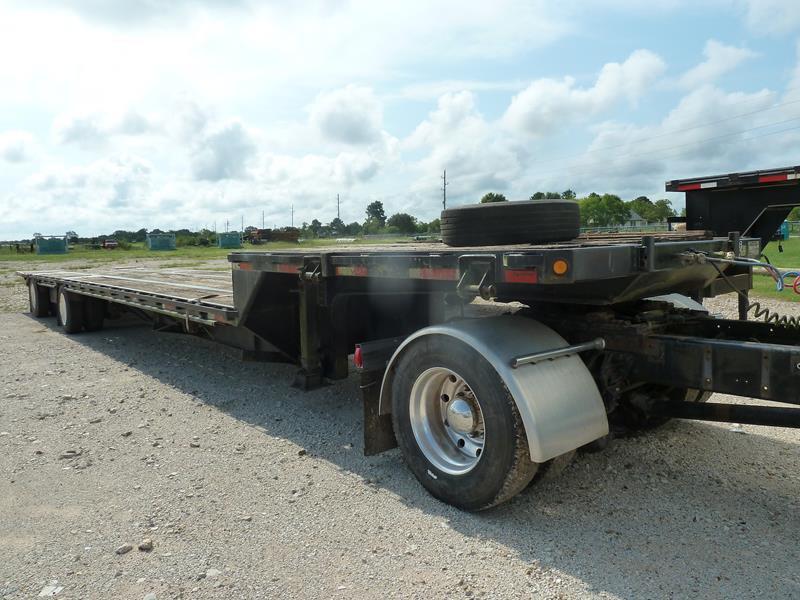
247	488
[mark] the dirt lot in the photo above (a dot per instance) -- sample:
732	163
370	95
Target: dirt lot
248	488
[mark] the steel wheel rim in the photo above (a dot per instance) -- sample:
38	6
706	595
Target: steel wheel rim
34	297
438	397
62	307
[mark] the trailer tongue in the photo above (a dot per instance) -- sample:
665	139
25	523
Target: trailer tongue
607	333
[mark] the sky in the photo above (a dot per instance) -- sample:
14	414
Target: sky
155	114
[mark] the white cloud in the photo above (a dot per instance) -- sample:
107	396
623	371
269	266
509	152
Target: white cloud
479	156
16	146
708	130
719	59
550	104
113	183
351	115
772	16
89	130
224	152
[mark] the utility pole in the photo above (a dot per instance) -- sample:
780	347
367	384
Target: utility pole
242	229
338	216
262	219
444	190
292	215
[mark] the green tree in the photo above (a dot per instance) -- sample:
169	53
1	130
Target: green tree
794	215
493	197
662	209
375	212
315	228
337	226
568	194
404	222
643	206
435	226
354	228
603	211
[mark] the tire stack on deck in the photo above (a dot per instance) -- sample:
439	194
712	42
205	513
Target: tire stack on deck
500	223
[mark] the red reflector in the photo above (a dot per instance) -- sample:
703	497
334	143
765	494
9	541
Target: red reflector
769	178
244	266
434	273
688	186
283	268
521	276
358	359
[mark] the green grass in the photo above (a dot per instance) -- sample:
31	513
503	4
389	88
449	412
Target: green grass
191	253
763	285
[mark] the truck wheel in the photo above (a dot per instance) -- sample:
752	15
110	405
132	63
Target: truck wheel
38	299
529	222
457	425
94	313
70	312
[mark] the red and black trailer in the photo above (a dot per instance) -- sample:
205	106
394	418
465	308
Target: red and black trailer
490	364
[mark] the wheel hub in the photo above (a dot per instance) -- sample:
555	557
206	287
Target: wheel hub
447	420
460	417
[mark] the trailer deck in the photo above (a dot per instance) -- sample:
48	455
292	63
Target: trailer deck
198	295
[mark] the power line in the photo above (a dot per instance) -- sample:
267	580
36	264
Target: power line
664	152
668	133
676	146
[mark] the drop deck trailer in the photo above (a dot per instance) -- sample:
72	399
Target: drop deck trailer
607	333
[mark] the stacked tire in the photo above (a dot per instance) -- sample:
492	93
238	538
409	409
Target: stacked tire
501	223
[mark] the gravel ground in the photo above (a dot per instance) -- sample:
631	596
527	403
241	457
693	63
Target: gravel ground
248	488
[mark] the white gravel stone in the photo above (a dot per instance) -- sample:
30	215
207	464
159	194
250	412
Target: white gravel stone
645	518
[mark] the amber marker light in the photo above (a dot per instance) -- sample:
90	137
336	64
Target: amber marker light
560	266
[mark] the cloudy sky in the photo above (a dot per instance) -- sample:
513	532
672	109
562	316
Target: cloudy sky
151	113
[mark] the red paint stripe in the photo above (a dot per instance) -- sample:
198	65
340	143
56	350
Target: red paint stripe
244	266
521	276
770	178
438	273
688	186
283	268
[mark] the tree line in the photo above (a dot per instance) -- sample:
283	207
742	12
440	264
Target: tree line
596	211
604	210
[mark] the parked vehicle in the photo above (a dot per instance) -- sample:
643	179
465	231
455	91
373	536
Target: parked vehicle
612	334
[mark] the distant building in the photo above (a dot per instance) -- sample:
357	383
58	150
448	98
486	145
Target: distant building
635	220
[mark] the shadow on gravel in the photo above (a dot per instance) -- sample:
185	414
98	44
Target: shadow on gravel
688	510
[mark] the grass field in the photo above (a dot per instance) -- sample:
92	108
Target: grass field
197	253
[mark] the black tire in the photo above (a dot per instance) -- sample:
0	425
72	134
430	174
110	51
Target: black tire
70	312
94	313
504	468
496	223
552	469
38	299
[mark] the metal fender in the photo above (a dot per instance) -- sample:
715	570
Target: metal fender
558	400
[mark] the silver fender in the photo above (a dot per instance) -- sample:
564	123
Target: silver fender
558	400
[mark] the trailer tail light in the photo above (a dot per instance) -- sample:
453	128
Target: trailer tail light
560	267
358	358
